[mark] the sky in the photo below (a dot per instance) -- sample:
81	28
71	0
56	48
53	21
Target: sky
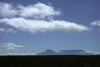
32	26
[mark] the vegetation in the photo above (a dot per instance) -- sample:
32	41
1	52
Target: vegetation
50	61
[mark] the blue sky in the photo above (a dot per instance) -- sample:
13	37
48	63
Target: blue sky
32	26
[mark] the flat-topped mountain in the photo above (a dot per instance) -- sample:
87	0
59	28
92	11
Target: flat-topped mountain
66	52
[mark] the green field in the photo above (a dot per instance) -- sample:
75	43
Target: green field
50	61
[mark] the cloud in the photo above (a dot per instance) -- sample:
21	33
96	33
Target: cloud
38	10
7	30
42	25
95	23
32	18
10	30
9	46
4	54
93	52
2	30
7	10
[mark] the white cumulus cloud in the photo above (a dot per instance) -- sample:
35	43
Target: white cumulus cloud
41	25
24	18
96	23
9	46
7	10
38	10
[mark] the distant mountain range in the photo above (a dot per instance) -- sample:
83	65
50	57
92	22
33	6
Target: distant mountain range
67	52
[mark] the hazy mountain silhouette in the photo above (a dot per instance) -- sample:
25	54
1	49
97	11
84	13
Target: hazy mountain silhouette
65	52
47	52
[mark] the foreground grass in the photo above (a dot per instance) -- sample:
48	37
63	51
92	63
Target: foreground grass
50	61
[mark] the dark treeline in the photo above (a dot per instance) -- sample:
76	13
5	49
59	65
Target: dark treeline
50	61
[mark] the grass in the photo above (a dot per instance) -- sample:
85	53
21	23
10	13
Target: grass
50	61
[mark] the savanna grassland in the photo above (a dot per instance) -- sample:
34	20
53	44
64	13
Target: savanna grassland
50	61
